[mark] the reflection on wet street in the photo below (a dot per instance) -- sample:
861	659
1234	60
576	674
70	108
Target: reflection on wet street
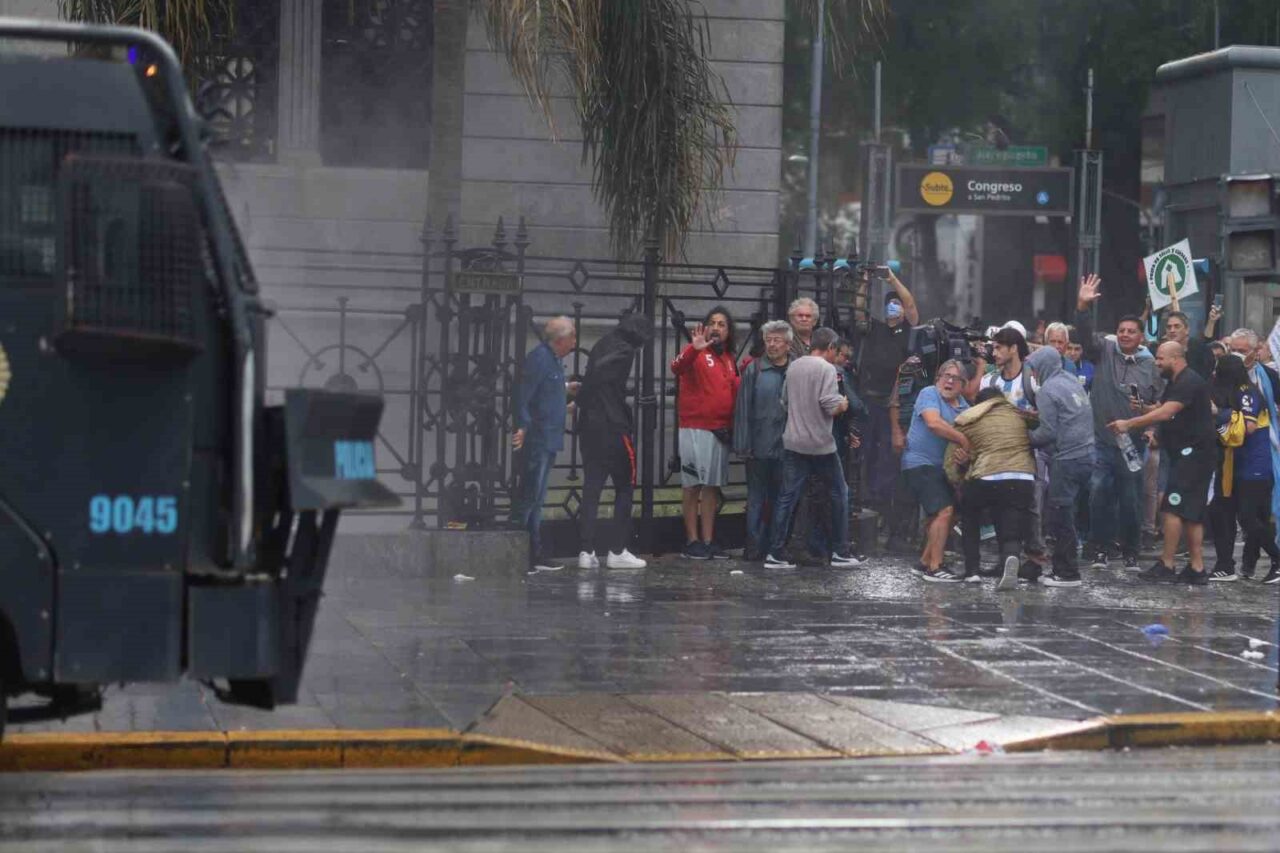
398	644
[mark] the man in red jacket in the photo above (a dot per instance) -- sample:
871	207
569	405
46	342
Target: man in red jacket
708	385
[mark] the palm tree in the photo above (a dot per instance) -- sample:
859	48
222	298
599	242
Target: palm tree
186	24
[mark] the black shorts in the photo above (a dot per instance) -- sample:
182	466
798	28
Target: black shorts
1187	492
930	486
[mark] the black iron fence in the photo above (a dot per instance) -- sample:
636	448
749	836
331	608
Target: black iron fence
442	335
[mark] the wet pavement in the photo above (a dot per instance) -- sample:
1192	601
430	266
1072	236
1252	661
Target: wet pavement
1168	800
400	644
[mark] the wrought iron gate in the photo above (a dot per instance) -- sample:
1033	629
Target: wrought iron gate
448	358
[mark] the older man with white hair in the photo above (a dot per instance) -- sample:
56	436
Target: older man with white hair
540	412
1244	342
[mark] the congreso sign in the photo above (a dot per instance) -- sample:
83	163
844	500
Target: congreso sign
924	188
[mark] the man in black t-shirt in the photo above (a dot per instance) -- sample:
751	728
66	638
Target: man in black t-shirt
1187	434
882	348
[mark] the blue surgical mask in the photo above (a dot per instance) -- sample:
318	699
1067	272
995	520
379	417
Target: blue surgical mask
893	310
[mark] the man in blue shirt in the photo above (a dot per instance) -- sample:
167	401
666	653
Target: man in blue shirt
931	428
540	413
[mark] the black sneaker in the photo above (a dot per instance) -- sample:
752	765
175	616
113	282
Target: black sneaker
695	550
1246	572
715	552
1158	573
1100	559
1223	576
847	561
1055	579
1191	577
942	575
1273	576
1131	563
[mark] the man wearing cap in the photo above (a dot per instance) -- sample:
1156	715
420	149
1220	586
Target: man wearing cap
882	348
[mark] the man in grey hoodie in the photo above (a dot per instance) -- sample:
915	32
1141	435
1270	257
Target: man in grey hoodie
1066	432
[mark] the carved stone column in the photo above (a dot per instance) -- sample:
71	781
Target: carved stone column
298	112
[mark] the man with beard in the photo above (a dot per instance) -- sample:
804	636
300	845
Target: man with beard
708	386
605	439
1187	431
1177	327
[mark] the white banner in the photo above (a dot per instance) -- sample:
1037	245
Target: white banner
1170	271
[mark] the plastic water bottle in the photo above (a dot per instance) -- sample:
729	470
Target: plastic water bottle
1132	458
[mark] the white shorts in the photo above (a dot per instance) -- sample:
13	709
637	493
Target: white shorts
704	459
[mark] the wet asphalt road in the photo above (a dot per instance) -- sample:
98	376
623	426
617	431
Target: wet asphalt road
1168	800
402	644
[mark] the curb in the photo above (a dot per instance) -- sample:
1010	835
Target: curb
312	749
335	749
1207	728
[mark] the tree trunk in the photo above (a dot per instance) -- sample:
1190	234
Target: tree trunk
448	63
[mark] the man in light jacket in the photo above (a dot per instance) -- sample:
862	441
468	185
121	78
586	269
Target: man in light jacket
999	477
759	418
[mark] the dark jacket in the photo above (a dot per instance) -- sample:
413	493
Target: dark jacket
602	399
540	400
759	419
1066	418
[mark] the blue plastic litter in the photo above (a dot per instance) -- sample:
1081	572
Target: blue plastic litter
1156	629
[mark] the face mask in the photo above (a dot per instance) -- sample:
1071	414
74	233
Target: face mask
893	310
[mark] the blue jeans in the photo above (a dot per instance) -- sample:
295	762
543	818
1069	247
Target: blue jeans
1066	481
1115	500
537	474
764	483
796	469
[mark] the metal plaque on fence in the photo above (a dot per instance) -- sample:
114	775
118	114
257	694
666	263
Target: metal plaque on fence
485	282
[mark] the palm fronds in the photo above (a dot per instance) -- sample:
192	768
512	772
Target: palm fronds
188	25
849	24
656	120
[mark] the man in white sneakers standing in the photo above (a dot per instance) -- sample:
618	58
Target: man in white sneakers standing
809	447
604	437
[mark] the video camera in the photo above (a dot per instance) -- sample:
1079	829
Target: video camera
938	341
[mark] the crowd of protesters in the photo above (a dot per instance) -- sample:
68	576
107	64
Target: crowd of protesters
1067	446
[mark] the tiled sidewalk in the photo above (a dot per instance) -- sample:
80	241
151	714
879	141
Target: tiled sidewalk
399	644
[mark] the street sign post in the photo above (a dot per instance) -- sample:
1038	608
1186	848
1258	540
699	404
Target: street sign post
1170	271
926	188
1014	155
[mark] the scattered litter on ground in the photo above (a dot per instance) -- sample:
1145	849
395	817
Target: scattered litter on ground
1154	629
1002	630
736	572
986	747
1256	643
463	578
1251	655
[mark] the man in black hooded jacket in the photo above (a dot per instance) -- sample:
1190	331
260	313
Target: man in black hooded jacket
605	439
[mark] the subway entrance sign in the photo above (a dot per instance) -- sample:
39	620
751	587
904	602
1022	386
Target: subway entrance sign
923	188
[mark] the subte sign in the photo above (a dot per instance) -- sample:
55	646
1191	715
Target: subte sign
923	188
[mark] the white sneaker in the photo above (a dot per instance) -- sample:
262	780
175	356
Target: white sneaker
588	560
847	561
625	560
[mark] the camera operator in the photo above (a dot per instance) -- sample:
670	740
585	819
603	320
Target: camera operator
882	349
